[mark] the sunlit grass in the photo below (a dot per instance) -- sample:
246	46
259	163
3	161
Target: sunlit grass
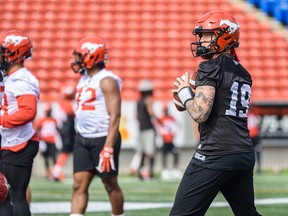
267	185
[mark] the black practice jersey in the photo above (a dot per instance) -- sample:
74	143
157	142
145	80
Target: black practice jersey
225	131
144	117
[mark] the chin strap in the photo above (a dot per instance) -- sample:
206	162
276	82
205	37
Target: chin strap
233	53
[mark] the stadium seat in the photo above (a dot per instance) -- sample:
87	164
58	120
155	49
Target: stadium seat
160	94
147	39
254	2
283	83
258	82
268	6
280	11
258	94
129	95
52	95
283	93
280	64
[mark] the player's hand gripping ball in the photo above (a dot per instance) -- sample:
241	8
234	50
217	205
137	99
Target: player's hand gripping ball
177	102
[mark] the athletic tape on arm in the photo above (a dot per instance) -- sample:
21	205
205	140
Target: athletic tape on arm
185	94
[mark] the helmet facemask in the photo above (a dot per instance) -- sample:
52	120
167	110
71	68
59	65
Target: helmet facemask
198	48
78	66
5	54
207	52
3	62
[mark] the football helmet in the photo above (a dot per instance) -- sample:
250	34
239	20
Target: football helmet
15	47
91	51
224	30
4	188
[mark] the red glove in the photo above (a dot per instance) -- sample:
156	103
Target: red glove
106	160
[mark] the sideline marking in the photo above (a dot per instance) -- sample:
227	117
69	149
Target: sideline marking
64	207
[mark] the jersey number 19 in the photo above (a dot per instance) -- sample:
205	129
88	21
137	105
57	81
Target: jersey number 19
240	98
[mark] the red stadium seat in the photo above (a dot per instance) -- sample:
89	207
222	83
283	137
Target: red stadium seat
147	39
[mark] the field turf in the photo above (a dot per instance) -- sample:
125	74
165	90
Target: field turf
267	185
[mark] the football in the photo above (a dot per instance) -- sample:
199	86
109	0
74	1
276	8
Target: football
4	188
177	102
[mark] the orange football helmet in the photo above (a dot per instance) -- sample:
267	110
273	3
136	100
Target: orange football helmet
91	51
4	188
15	47
226	32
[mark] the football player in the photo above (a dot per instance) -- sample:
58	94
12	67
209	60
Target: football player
4	187
224	160
98	141
167	131
48	132
20	143
147	133
66	115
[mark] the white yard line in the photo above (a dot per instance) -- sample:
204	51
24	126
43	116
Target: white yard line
64	207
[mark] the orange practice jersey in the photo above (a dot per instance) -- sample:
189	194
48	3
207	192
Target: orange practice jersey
47	127
167	128
253	125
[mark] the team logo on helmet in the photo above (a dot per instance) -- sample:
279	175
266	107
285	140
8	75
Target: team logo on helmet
92	47
232	26
15	39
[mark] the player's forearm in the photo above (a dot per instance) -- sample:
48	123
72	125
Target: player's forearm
21	117
26	112
113	130
196	111
200	107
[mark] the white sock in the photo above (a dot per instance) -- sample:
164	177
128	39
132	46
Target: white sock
118	215
76	214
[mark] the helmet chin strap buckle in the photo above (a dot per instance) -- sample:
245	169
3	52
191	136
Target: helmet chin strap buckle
202	50
82	71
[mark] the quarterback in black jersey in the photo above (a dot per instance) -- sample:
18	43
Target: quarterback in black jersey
224	160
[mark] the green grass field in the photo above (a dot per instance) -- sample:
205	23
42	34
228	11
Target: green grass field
267	185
